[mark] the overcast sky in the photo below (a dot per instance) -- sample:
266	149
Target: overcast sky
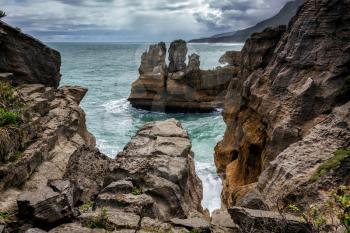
134	20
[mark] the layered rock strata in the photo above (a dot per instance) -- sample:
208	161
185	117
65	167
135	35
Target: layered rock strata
288	103
179	87
29	60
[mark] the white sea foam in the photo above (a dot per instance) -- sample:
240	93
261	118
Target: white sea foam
117	106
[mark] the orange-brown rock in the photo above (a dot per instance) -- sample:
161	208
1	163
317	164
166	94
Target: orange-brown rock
289	83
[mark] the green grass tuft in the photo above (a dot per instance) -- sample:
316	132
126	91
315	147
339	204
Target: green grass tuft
101	222
8	118
6	215
87	206
15	157
137	191
330	164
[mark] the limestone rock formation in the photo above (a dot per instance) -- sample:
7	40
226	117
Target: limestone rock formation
158	161
231	58
260	221
179	88
177	56
27	59
287	102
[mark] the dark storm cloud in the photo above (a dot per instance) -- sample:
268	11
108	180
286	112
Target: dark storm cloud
141	20
237	14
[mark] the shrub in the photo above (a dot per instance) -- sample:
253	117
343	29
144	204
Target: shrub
8	118
341	198
330	164
6	216
101	222
2	14
136	191
85	207
6	93
15	157
336	210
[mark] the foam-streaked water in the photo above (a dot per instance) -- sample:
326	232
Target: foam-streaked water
107	70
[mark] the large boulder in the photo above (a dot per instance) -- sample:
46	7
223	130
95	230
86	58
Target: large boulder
159	163
87	159
49	204
29	60
260	221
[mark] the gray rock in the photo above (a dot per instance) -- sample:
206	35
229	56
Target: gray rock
196	223
75	228
34	230
177	56
115	218
87	159
193	63
158	161
231	58
28	59
153	60
260	221
120	186
49	205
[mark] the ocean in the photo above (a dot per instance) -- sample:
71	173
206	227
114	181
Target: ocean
107	70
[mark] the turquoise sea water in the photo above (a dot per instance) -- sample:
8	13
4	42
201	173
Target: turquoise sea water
107	70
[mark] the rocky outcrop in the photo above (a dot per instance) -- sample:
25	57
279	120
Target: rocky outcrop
179	88
231	58
27	59
267	221
287	103
159	163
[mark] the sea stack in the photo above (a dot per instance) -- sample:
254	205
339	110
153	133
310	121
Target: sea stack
178	87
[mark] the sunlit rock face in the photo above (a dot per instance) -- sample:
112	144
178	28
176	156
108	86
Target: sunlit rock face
289	84
180	87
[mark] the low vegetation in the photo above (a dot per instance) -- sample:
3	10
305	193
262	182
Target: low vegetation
87	206
330	164
333	214
136	191
2	14
100	222
8	118
6	216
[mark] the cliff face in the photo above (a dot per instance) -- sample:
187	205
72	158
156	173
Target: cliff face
178	88
51	175
27	59
288	88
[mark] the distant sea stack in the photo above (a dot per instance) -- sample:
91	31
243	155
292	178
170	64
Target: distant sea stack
178	87
282	18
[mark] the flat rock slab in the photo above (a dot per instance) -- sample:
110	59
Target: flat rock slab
260	221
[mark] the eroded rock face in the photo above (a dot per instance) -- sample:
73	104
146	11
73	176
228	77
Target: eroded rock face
286	88
27	59
51	203
54	128
260	221
180	88
232	58
177	56
158	161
